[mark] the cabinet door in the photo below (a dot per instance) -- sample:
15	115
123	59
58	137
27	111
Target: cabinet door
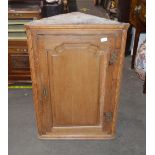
70	80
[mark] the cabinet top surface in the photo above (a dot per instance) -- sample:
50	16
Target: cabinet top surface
74	19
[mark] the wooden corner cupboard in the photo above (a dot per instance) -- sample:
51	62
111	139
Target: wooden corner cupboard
76	64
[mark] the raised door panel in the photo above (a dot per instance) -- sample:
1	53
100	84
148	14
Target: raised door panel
74	69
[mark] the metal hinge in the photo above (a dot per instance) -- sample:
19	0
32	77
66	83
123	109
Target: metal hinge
108	116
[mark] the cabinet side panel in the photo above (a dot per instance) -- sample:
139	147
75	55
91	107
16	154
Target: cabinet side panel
40	83
113	80
121	62
34	80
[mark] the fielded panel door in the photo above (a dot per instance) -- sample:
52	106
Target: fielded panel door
71	72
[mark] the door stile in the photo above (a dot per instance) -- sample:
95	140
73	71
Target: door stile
43	86
102	80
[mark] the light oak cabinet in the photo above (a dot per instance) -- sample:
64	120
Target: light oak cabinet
76	73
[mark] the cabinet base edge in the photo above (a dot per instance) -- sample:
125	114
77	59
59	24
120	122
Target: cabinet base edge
103	137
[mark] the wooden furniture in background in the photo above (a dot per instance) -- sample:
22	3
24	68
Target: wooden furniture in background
109	5
65	3
76	73
123	10
137	20
96	2
20	13
144	86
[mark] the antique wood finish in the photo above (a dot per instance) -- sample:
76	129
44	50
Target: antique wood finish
65	3
18	61
24	9
19	69
24	15
138	20
95	2
76	79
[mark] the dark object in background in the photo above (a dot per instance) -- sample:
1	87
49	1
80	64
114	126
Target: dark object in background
137	20
52	9
144	86
123	10
105	3
123	14
72	6
56	8
128	42
100	2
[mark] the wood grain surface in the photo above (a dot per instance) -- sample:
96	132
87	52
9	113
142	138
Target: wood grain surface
76	79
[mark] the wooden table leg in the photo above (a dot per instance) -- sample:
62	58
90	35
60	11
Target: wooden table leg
144	86
96	2
65	2
135	48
